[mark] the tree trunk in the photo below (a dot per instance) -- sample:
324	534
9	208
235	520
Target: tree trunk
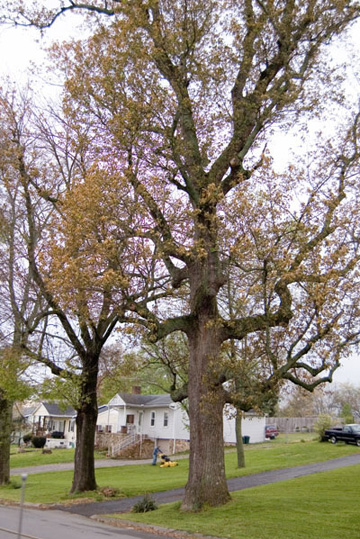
84	464
5	433
206	483
239	442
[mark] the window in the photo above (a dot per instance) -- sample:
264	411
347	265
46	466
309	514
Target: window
166	419
107	428
152	419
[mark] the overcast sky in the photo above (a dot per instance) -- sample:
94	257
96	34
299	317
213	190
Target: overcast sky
21	48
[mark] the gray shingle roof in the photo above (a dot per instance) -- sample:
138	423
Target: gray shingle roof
53	409
28	411
146	400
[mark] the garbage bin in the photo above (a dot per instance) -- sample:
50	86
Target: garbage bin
246	439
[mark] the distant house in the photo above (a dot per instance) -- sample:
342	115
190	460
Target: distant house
158	418
149	416
131	418
47	418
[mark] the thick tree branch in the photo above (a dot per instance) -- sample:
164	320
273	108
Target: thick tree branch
55	369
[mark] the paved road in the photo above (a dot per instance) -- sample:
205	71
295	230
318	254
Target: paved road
236	483
37	524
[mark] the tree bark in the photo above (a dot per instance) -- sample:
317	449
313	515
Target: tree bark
84	463
5	432
207	482
239	442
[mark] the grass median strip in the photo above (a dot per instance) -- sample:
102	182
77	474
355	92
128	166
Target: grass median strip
319	506
53	487
35	457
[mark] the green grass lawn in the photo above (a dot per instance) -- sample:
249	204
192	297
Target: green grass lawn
324	505
53	487
35	457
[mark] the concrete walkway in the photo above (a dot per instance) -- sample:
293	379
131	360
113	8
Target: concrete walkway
99	463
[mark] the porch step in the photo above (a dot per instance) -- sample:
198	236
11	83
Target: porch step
131	440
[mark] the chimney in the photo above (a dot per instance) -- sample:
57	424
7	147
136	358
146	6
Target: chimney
136	390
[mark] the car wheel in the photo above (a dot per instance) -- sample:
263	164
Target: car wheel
358	442
333	440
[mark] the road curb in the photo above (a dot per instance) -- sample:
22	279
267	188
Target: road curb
149	528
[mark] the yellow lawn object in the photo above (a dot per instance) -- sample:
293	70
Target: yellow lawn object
169	464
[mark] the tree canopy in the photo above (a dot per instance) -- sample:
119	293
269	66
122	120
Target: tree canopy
169	106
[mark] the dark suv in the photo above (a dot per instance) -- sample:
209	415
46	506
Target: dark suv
271	432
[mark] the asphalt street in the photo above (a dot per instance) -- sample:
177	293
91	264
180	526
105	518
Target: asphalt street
38	524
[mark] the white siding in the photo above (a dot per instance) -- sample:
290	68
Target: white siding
116	401
112	417
252	426
116	417
182	428
177	427
70	432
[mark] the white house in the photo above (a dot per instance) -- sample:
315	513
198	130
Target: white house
131	416
152	416
157	417
46	418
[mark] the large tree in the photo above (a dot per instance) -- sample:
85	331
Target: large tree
21	302
80	253
178	98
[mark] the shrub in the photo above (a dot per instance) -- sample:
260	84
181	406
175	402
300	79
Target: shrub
145	505
27	437
57	434
13	485
38	441
324	422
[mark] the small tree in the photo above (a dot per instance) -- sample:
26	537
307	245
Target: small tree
346	413
347	397
324	422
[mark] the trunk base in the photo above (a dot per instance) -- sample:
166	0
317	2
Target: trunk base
195	501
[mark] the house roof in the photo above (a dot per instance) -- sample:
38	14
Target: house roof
53	410
29	410
103	407
150	401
